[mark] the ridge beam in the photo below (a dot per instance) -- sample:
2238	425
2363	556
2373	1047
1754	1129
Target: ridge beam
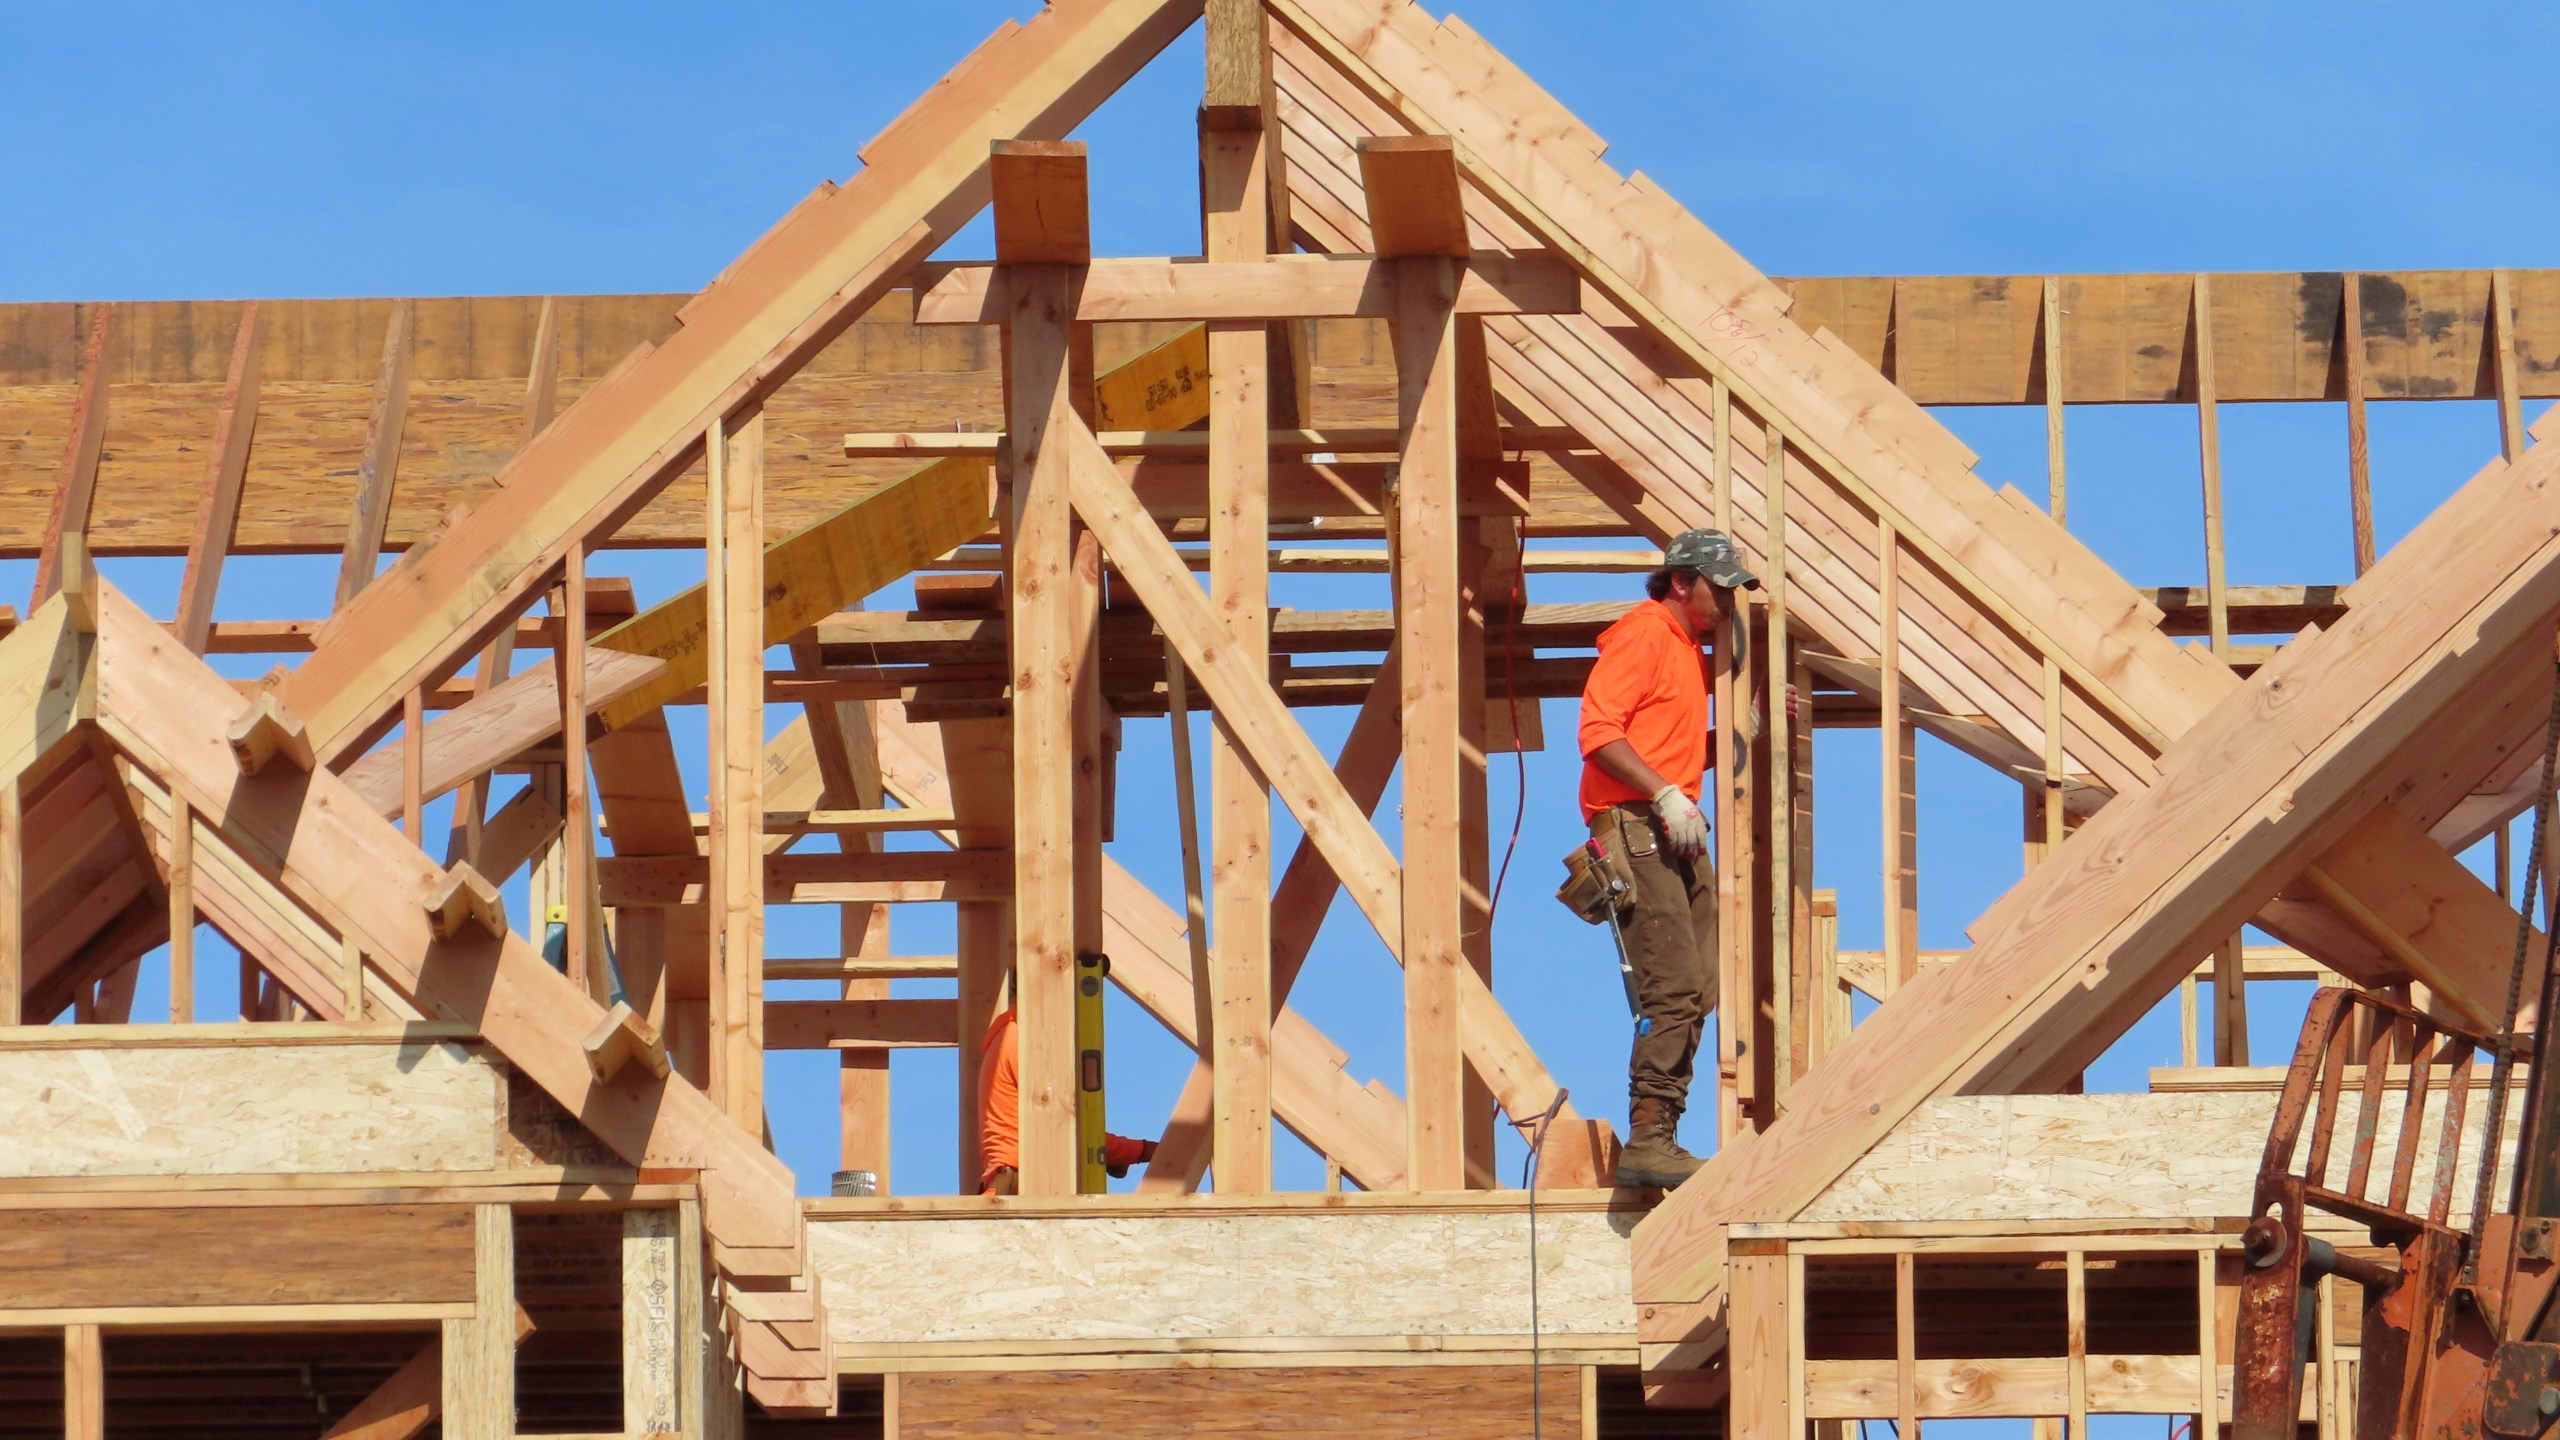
1416	204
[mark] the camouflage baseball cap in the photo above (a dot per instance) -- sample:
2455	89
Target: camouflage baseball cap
1711	553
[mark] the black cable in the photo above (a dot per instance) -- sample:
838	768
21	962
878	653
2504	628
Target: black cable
1529	1182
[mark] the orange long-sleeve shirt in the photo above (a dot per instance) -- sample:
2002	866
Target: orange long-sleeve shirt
1648	688
1000	1105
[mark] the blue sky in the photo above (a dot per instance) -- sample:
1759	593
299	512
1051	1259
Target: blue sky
167	151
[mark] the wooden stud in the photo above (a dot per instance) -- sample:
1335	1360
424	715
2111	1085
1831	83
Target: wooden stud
2053	819
2330	1406
218	501
2501	338
2187	1037
84	1383
651	1348
267	732
2076	1338
1733	825
737	802
480	1350
1427	603
1095	742
577	832
1808	998
76	482
1041	625
2359	454
1797	1315
1906	1345
182	912
1236	208
413	767
1895	737
1781	752
465	908
13	834
2230	1005
378	473
1186	819
350	980
1757	1354
2209	442
2056	490
2208	1357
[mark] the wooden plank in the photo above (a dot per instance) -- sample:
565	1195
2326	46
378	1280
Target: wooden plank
182	914
2057	491
736	672
860	1024
778	303
1899	785
2209	440
1763	1327
379	473
582	947
499	724
2076	1339
1428	602
2500	337
1906	1346
75	481
218	501
1284	287
649	1346
2208	1411
13	912
81	1257
1041	216
2359	453
84	1383
480	1352
1415	204
1044	666
1243	992
1778	678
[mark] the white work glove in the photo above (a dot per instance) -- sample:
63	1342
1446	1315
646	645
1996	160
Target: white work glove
1683	823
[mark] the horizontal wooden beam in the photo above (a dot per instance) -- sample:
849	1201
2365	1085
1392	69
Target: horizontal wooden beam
860	1024
1295	287
870	876
1194	444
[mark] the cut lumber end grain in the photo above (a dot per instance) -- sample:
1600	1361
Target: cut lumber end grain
1043	216
267	732
620	1038
465	906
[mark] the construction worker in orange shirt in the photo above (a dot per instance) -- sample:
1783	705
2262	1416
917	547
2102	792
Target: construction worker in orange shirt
1645	742
1000	1116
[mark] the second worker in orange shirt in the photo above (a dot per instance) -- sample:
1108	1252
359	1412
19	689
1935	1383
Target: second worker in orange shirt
1645	746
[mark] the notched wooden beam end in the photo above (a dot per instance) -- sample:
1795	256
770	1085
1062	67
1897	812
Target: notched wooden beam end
465	906
620	1038
268	732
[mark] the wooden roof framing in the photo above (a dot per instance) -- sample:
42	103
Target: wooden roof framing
1524	289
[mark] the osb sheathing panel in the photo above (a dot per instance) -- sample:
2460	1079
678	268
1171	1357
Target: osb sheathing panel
248	1110
1221	1276
1455	1403
2093	1157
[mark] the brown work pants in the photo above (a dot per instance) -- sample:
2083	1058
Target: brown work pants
1671	943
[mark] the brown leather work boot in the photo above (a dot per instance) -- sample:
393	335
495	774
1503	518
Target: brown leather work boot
1653	1155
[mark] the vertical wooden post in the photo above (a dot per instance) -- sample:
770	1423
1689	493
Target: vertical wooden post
2055	484
2209	442
2187	1019
736	694
1812	1001
1045	652
1734	1002
2076	1336
413	765
1895	738
1481	567
2053	818
2230	1005
182	911
570	659
1796	1317
13	913
1427	601
650	1287
1236	210
84	1383
2500	334
2359	456
1782	798
862	1076
1906	1345
978	758
480	1351
2208	1351
1759	1349
350	980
